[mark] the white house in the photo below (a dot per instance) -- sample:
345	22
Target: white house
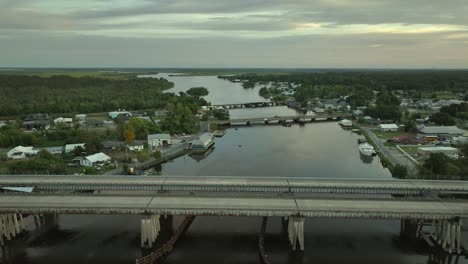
388	127
157	140
21	152
202	143
136	146
63	121
71	147
95	159
115	114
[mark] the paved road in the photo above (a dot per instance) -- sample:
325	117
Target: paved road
393	155
316	207
230	184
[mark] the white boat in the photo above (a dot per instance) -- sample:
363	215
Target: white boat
366	149
345	123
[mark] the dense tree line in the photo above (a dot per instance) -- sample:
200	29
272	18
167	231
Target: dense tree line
439	164
387	106
64	94
456	110
422	80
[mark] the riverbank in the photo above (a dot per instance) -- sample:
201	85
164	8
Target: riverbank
392	156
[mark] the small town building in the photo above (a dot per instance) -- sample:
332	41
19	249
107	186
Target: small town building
136	145
95	160
426	151
63	121
158	140
116	114
160	114
54	150
80	117
94	123
36	121
71	147
440	131
389	127
113	144
204	142
318	110
21	152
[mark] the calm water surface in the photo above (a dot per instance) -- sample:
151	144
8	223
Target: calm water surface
321	150
220	91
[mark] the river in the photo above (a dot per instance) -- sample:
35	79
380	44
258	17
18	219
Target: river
314	150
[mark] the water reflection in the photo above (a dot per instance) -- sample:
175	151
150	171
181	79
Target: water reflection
320	149
201	156
366	159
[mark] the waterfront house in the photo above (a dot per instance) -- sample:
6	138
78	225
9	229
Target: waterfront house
440	131
71	147
95	160
21	152
204	142
388	127
158	140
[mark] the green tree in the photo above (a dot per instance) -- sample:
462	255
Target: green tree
399	171
442	119
197	91
436	164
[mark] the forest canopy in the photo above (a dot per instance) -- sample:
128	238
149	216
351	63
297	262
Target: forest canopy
23	94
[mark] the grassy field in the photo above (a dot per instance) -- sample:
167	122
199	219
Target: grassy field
410	150
389	135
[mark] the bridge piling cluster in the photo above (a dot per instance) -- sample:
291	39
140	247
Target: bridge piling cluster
150	228
11	225
296	232
448	235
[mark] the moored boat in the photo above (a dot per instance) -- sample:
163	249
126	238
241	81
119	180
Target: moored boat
366	149
345	123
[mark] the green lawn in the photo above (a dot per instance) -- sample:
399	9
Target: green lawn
410	150
389	135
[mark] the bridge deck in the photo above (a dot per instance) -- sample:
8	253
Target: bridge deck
228	184
316	207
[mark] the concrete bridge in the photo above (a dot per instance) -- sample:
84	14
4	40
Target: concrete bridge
444	215
283	119
247	105
232	184
209	196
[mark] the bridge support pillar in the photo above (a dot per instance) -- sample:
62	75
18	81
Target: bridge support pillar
10	226
447	233
296	232
149	230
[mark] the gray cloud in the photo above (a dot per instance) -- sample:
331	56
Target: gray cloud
80	36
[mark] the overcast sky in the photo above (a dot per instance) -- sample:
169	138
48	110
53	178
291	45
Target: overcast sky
234	33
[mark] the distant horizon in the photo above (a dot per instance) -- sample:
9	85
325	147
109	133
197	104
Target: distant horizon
226	68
